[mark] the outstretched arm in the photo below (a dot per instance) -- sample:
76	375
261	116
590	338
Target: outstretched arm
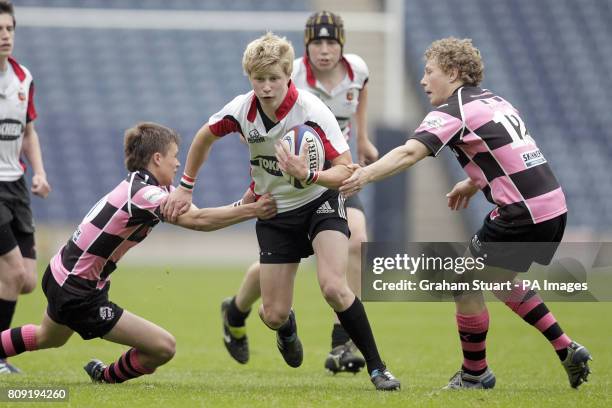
180	199
398	159
211	219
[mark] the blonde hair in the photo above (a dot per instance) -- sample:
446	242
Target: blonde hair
452	53
145	139
268	50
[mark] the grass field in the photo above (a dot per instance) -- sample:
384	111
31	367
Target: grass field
417	340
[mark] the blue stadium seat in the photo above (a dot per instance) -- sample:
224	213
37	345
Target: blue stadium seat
91	84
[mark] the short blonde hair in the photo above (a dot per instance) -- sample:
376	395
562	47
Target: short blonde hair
450	53
268	50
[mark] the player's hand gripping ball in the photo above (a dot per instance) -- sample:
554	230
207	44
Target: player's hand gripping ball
304	137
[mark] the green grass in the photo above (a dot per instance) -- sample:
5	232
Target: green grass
417	340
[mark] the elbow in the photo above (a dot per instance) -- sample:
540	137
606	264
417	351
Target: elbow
409	157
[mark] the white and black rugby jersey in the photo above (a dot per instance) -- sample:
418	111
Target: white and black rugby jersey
344	98
299	107
16	111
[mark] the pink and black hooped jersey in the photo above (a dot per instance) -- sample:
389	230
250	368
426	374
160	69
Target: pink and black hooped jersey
497	152
119	221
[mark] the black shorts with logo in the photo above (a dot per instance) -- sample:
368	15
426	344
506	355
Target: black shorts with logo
89	314
524	244
16	224
288	237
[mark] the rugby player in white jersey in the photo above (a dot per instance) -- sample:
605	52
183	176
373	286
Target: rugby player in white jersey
339	80
17	135
309	220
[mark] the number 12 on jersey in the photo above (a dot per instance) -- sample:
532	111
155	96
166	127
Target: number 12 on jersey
515	128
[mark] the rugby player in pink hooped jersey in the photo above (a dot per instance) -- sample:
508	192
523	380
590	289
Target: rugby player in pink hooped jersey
311	219
339	80
500	158
77	280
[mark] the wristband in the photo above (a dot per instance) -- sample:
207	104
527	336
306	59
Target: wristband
312	177
187	182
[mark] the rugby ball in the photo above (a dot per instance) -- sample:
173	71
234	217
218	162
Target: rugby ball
299	136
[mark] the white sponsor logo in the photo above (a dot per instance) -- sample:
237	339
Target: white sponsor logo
153	195
433	122
533	158
10	130
476	243
325	208
106	313
76	235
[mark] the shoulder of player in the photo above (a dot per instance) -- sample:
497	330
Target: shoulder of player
20	67
358	65
149	194
449	107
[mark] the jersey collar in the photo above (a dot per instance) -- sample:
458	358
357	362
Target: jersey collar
282	110
145	176
19	72
312	80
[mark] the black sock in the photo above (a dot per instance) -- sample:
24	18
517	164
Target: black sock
562	354
235	317
7	310
289	328
355	322
339	335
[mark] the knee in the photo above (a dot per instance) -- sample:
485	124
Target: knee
14	277
274	318
166	348
334	292
29	284
43	341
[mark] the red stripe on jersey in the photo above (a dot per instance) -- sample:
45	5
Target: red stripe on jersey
225	126
31	112
252	188
349	69
288	102
252	114
312	80
17	68
330	152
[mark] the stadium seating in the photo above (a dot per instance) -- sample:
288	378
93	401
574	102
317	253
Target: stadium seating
264	5
91	84
552	59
